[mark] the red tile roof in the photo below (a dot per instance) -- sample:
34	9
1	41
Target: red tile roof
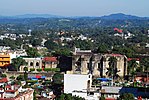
8	86
50	59
116	55
10	90
136	59
3	80
110	99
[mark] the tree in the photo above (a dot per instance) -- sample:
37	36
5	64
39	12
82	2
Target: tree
132	66
102	98
61	97
144	63
20	78
57	83
51	45
32	52
58	78
112	70
34	95
25	75
102	48
69	97
17	62
36	42
126	96
62	52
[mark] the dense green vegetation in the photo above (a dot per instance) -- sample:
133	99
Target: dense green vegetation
126	96
69	97
99	32
17	62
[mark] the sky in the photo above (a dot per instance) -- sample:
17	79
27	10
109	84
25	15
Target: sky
74	7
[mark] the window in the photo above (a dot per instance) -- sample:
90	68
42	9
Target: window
89	76
37	63
31	64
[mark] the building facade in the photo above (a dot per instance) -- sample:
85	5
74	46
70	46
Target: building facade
4	59
34	63
86	62
50	62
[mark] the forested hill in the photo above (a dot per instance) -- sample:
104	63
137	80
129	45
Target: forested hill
114	20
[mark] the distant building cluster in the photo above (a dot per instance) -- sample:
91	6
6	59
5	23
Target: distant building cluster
14	92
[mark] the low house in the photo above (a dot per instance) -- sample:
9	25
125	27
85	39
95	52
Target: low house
50	62
113	93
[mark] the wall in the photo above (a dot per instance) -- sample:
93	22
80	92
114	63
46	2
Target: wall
76	82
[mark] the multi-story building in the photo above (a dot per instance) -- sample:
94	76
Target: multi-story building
85	62
4	59
121	64
83	82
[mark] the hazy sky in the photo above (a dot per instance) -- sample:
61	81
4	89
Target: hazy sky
74	7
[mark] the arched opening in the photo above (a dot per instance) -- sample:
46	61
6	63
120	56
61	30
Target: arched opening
31	64
37	63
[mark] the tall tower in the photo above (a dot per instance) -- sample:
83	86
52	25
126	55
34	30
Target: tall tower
29	32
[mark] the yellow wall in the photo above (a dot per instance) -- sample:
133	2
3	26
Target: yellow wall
4	60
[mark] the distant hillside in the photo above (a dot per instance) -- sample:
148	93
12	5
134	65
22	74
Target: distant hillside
45	21
118	16
37	16
121	16
32	16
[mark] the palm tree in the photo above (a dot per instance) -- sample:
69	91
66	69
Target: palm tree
112	70
132	66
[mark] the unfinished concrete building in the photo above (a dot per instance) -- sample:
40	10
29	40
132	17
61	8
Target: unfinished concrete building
86	62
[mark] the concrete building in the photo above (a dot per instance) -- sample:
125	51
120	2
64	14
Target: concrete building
80	85
77	82
85	62
113	93
50	62
16	95
32	63
121	64
4	59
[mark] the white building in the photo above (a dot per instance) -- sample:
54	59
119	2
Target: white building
77	82
32	63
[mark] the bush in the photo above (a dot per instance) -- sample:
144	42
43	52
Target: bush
3	75
47	69
39	69
20	77
126	96
25	69
52	69
55	69
12	77
32	69
31	81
